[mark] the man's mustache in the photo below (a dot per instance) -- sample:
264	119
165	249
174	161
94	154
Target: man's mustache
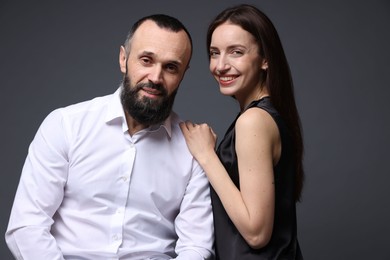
151	85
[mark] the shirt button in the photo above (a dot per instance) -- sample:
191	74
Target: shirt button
124	178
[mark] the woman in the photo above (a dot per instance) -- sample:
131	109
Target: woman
256	173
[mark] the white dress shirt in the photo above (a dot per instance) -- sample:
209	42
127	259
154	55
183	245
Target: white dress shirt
89	190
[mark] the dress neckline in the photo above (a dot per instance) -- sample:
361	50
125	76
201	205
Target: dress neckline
251	104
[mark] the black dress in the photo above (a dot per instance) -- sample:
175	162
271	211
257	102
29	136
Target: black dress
229	244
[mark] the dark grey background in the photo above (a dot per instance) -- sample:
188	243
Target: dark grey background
55	53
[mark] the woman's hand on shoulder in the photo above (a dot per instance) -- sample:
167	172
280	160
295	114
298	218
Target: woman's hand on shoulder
200	139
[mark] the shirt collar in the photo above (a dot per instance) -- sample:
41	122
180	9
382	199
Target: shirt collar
167	125
115	112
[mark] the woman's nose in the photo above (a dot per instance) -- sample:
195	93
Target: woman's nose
222	64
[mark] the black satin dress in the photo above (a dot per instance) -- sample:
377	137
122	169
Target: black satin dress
229	244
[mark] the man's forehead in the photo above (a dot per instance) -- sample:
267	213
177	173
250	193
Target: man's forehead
150	38
151	28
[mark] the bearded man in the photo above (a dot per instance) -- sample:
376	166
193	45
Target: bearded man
112	178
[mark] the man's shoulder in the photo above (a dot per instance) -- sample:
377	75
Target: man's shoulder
92	108
95	103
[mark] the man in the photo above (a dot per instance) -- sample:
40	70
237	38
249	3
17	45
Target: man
112	178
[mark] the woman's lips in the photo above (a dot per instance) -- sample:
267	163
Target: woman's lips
226	80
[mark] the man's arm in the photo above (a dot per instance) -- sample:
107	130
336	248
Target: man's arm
194	224
39	194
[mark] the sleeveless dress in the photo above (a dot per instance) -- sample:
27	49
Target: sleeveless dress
229	244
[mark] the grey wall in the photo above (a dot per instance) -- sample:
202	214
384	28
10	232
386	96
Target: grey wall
55	53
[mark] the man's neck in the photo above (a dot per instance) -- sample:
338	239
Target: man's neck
133	125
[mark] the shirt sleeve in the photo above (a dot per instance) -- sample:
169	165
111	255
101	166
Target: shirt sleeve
194	224
39	194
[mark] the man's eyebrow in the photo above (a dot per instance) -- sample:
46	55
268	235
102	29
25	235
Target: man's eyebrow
175	62
147	53
152	54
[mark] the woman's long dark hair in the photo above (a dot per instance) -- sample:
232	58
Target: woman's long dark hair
278	80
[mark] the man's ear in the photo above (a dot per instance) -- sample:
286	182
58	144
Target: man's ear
122	59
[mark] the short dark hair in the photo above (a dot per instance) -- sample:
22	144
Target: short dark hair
163	21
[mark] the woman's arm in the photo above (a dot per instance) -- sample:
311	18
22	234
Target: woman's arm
251	208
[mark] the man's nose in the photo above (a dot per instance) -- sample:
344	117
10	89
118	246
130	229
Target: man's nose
155	74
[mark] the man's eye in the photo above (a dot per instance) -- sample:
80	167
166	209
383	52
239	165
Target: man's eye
172	68
145	60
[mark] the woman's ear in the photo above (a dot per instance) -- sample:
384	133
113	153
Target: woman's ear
122	59
264	64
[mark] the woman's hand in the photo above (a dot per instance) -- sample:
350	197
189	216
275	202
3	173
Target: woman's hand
200	138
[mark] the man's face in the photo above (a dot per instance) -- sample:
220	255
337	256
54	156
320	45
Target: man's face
153	70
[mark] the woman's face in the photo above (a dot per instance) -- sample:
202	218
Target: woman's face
235	62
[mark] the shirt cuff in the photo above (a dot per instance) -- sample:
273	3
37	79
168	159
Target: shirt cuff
193	254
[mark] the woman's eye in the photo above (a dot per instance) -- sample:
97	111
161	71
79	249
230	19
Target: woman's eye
237	52
213	53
